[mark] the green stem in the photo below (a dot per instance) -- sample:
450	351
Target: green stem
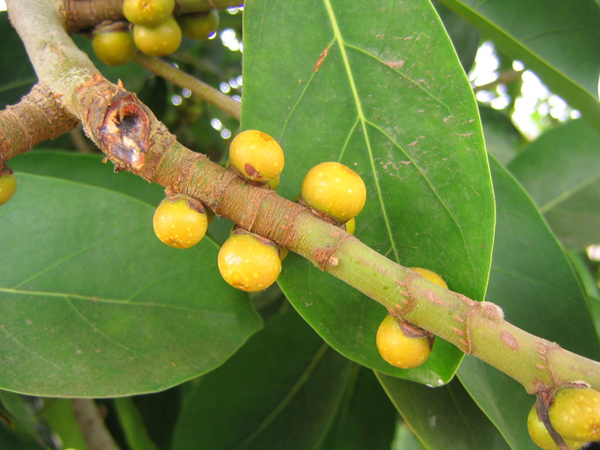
147	149
197	87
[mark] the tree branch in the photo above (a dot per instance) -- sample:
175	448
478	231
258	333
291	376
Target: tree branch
127	131
37	117
92	425
197	87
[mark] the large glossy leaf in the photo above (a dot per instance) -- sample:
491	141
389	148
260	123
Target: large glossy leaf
281	390
561	172
381	90
92	304
443	417
502	138
534	282
558	40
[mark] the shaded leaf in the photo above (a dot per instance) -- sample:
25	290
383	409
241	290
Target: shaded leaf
389	99
281	390
559	41
92	304
366	418
534	283
443	415
560	170
502	138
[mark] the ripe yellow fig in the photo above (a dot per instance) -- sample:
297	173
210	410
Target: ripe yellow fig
575	414
397	348
199	25
113	44
8	185
160	40
539	434
431	276
334	189
147	12
256	156
248	262
180	221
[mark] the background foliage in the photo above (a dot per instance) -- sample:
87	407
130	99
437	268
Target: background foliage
92	305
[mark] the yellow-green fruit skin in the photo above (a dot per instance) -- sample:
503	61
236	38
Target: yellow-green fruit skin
398	349
539	434
199	26
8	186
178	225
248	264
431	276
147	12
256	156
114	48
160	40
351	226
334	189
575	414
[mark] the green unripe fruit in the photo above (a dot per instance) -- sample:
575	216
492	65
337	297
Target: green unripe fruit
113	45
199	25
147	12
256	156
160	40
431	276
335	190
575	414
8	185
539	434
248	262
398	349
180	221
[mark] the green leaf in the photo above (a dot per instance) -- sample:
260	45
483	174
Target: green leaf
58	413
133	425
87	169
558	40
17	412
389	99
560	170
442	415
366	419
281	390
534	283
502	138
93	305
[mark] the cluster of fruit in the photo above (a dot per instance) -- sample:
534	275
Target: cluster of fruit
155	31
574	414
248	261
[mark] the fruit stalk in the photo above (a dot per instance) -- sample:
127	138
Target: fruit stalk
127	131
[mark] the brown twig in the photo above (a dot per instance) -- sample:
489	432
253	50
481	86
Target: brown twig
37	117
92	425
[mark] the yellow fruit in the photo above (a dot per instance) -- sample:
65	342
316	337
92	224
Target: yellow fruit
180	221
397	348
114	46
256	156
249	263
431	276
539	434
161	40
575	414
8	185
147	12
199	25
335	190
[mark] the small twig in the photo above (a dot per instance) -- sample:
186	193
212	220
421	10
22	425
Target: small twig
197	87
506	77
92	426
